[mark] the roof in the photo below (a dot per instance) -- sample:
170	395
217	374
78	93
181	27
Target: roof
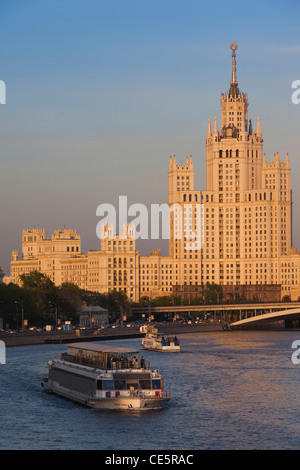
84	372
87	309
100	348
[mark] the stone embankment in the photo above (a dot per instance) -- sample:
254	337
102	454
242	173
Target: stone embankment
43	337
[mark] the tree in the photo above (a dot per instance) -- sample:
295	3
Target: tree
213	293
35	280
14	299
68	300
118	302
42	290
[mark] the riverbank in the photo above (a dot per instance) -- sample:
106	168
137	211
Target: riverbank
43	337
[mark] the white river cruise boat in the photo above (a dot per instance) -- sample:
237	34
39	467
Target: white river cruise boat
155	341
105	377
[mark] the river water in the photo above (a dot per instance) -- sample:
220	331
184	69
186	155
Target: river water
230	390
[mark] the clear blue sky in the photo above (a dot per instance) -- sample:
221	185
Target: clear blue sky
99	94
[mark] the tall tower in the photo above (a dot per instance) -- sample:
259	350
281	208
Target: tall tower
252	198
234	144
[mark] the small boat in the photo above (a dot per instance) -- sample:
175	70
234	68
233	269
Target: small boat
155	341
105	377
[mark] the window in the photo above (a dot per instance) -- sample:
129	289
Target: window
107	384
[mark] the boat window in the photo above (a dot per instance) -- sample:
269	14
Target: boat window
99	384
107	384
132	383
156	385
120	384
145	384
144	376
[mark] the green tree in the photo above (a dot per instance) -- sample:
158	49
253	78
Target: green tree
36	281
14	299
68	299
213	293
42	290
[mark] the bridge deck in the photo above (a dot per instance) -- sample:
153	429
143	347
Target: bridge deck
217	307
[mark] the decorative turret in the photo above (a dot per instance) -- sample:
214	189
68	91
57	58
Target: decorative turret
258	129
287	161
181	178
208	132
215	126
264	161
215	134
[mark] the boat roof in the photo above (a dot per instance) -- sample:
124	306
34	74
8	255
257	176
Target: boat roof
101	348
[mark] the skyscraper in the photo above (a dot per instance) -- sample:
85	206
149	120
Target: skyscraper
247	205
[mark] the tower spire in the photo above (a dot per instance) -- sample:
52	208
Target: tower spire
233	47
233	91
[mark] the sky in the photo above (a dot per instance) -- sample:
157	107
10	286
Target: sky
100	93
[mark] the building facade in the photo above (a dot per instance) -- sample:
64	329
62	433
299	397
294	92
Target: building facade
247	207
114	267
243	219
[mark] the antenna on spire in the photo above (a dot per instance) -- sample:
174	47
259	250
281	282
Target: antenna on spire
233	47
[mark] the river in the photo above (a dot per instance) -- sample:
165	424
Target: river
230	390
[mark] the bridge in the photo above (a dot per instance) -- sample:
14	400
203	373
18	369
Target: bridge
287	314
235	315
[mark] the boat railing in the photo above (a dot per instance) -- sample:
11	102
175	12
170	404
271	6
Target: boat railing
137	393
166	341
101	364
